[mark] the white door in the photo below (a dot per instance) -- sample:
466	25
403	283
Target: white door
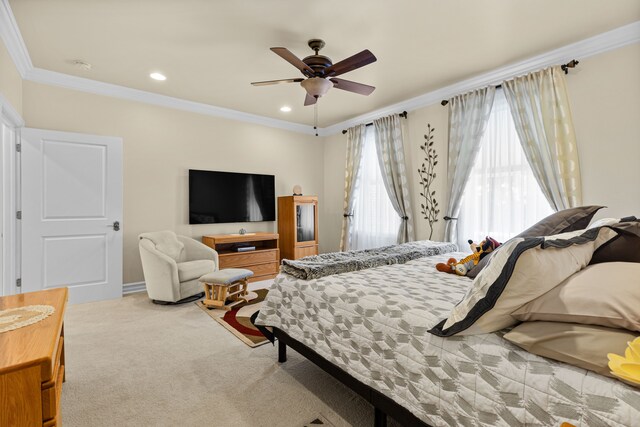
72	214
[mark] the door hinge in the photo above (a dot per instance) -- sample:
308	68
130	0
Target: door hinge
19	214
19	283
18	147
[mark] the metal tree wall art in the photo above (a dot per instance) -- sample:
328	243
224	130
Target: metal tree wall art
427	175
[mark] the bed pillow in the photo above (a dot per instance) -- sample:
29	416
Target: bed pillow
625	247
584	346
559	222
615	286
521	271
571	219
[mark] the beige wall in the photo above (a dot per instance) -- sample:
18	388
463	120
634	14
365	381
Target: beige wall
10	80
605	100
160	145
605	97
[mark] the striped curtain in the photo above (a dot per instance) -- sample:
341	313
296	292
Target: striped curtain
539	104
355	142
390	149
468	117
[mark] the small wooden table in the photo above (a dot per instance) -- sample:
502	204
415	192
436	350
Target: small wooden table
32	363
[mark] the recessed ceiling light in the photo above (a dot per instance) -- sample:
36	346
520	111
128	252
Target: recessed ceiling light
158	76
285	108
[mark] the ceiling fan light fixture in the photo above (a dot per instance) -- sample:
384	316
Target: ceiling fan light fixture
316	86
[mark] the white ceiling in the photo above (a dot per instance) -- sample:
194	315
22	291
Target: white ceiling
211	50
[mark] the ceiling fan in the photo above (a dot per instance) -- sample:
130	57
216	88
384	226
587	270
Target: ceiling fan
321	73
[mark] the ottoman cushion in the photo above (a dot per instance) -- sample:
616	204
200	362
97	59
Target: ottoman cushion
226	276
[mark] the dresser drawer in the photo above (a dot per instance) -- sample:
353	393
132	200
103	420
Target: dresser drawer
246	259
51	389
264	269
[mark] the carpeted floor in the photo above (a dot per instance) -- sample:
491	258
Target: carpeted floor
133	363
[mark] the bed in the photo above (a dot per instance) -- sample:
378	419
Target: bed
369	328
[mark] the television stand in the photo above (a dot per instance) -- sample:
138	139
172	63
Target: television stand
264	261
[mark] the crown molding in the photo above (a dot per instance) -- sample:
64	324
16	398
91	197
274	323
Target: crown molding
10	34
12	38
604	42
53	78
11	114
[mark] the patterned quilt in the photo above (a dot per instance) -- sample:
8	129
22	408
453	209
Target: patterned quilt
373	324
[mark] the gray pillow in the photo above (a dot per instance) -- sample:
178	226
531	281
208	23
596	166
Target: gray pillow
624	248
559	222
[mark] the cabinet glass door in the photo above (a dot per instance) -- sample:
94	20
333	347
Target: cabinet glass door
305	222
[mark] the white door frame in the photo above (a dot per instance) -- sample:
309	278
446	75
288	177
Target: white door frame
10	124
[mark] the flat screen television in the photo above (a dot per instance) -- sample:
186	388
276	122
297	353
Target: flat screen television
222	197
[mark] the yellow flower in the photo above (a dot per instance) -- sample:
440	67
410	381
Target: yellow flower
627	367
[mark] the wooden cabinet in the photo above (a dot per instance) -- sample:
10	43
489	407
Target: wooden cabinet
298	226
264	261
32	363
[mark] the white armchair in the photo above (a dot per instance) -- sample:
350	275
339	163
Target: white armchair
172	265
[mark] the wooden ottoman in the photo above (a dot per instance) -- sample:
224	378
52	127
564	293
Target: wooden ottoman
227	288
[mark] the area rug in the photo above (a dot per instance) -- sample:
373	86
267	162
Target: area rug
238	320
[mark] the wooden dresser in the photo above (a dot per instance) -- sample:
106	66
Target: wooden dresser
264	261
32	363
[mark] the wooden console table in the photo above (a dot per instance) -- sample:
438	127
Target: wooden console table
32	363
264	261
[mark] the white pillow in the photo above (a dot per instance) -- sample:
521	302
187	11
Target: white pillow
522	270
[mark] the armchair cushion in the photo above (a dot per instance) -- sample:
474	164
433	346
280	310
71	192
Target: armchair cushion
191	270
166	242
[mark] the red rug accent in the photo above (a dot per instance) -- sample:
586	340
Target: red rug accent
238	319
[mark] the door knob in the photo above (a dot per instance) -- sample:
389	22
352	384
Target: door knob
115	225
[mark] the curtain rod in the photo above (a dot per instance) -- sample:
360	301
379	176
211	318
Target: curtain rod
565	68
403	114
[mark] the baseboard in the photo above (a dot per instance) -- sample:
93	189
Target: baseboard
133	288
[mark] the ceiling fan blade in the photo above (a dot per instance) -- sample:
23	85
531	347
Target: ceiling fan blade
352	63
360	88
310	100
286	54
275	82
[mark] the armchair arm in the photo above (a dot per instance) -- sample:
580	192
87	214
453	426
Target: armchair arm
160	273
195	250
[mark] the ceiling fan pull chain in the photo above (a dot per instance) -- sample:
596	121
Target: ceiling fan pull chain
315	118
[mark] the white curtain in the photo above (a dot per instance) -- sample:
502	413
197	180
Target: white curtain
390	148
375	221
355	141
468	115
540	109
502	196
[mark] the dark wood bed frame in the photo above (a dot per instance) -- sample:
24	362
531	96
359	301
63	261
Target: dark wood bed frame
382	404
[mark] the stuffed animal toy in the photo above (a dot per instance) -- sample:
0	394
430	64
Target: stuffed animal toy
462	267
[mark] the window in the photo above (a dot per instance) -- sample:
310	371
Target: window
502	197
375	222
